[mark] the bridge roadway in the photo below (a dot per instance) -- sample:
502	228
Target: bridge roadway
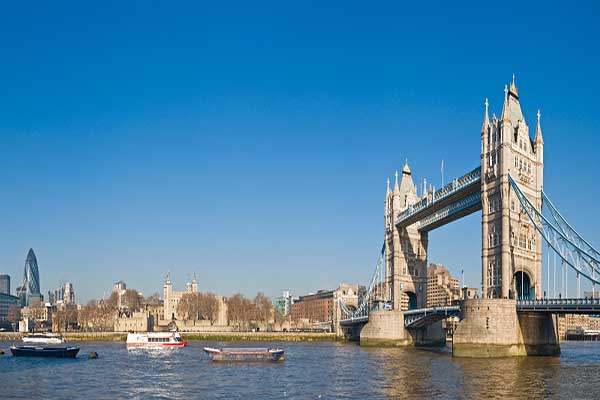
422	317
461	197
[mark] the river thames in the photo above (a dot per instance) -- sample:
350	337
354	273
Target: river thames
323	370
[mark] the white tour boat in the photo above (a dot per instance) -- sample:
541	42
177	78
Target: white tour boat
43	338
155	339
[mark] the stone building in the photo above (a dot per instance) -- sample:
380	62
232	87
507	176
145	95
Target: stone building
442	288
468	293
139	321
171	297
171	300
511	246
405	248
120	288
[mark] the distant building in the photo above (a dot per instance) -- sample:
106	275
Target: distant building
29	291
139	321
171	297
63	295
283	304
69	296
314	307
442	288
119	288
577	322
6	300
320	307
5	284
41	315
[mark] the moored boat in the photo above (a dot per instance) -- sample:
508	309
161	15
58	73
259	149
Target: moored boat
245	354
43	338
35	351
155	339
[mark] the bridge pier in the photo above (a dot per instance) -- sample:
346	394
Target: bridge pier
492	328
386	328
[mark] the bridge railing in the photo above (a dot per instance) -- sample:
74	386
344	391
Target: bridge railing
560	302
453	187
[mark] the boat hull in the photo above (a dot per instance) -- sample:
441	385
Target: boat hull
157	345
263	355
52	352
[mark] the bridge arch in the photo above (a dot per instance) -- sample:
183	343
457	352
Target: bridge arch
412	300
523	287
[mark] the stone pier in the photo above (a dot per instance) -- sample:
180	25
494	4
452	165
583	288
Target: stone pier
492	328
386	328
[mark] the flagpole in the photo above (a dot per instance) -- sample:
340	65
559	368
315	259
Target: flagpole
442	173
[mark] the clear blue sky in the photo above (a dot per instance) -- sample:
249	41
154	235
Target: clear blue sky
250	143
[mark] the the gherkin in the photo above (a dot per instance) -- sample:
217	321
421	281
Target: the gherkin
30	289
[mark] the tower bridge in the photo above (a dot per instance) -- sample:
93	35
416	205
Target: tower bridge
513	316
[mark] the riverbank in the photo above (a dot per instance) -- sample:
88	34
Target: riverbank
195	336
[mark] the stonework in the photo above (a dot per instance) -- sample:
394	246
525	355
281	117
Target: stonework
385	328
405	248
492	328
171	297
511	247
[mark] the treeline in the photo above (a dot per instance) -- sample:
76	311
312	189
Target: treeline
199	306
244	313
100	315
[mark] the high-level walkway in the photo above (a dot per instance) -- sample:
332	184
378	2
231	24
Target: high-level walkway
457	199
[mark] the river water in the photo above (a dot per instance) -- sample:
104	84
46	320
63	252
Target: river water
311	371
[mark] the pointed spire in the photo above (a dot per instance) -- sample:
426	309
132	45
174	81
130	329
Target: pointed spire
538	130
486	119
424	194
505	105
388	187
396	187
513	88
406	169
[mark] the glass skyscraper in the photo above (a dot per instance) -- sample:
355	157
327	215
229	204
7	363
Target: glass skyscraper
5	284
29	291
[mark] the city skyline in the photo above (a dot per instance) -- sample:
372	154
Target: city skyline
264	167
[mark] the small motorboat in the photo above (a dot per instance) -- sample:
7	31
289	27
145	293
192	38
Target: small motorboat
155	339
245	354
35	351
43	338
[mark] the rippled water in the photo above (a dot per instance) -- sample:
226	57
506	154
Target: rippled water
311	371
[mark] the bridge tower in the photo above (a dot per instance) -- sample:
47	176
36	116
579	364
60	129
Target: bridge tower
405	248
511	247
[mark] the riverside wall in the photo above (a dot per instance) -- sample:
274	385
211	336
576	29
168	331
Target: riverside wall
195	336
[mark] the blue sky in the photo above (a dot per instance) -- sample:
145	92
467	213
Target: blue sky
250	143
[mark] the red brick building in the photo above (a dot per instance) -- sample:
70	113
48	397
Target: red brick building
317	307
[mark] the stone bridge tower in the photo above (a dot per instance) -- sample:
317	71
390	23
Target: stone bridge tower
511	247
405	248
